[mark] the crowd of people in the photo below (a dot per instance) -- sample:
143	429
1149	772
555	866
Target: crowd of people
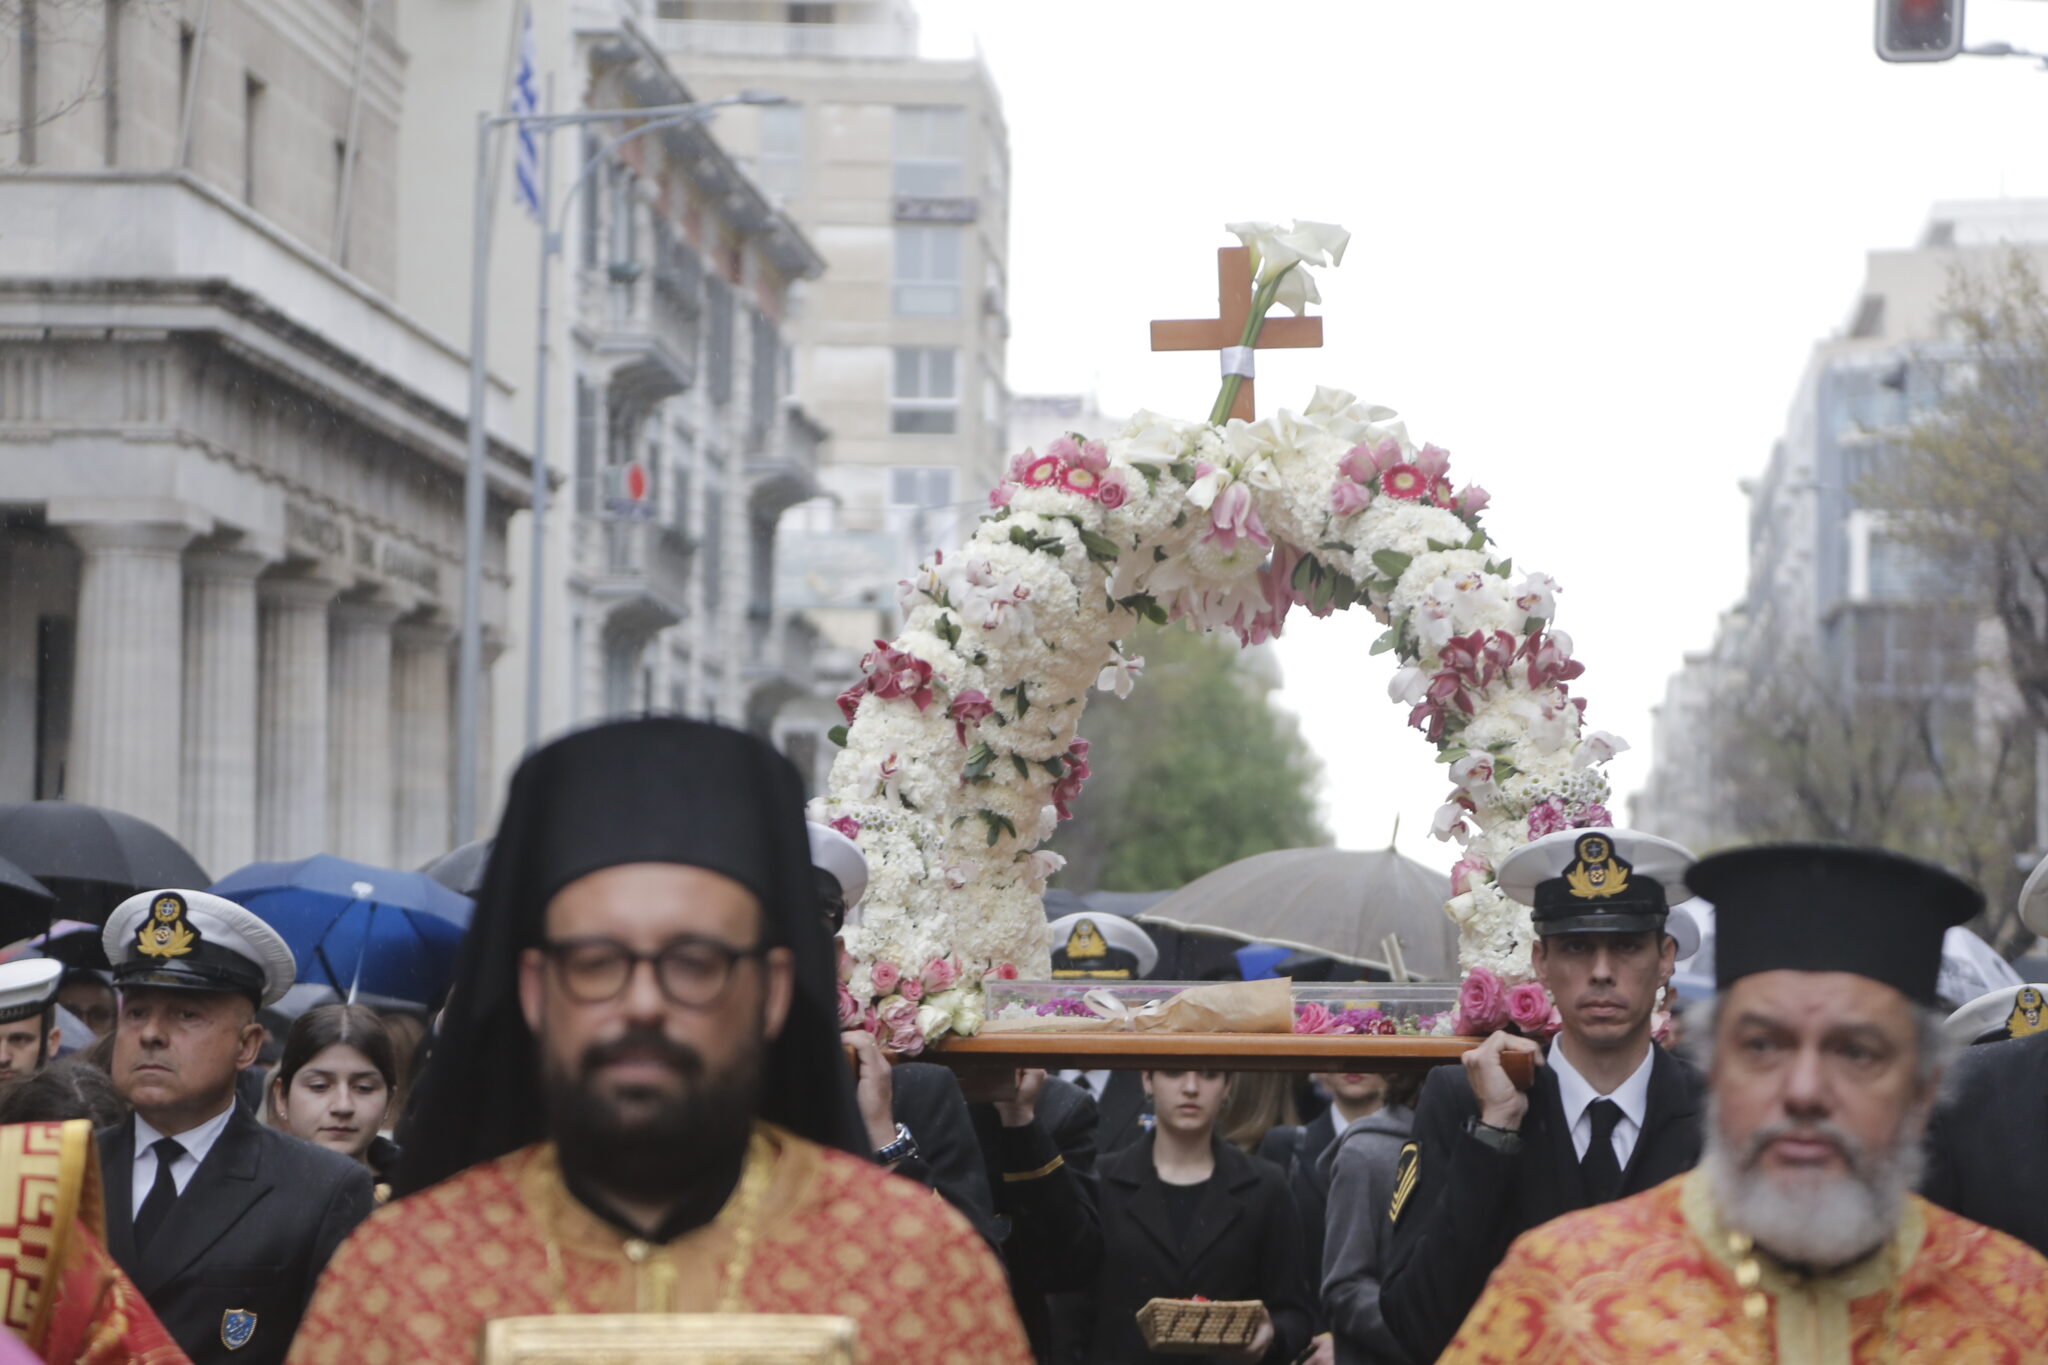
638	1098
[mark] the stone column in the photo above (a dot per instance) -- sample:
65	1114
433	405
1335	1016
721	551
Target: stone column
291	716
220	708
422	748
359	731
125	704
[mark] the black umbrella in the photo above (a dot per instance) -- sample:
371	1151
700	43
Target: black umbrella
26	905
461	869
91	858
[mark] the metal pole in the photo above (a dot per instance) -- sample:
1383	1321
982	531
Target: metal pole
193	71
535	606
470	654
348	155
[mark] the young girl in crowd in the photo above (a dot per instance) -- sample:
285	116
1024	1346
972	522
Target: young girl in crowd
337	1085
1186	1214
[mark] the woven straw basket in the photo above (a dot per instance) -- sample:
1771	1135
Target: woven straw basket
1189	1327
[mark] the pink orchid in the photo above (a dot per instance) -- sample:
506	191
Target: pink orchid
1000	495
1432	462
1547	818
941	973
1482	1003
1404	481
1498	653
1075	771
884	975
1450	819
894	673
1550	660
1041	471
1528	1006
1348	498
969	708
849	1008
1076	479
1469	873
1233	518
1472	498
849	700
1461	652
847	825
1114	490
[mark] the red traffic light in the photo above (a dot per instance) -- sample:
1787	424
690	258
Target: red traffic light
1919	30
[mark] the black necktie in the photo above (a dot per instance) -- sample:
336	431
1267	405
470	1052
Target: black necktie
1599	1165
162	1194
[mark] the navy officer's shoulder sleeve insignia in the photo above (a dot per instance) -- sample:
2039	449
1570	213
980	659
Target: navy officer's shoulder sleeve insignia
1404	1179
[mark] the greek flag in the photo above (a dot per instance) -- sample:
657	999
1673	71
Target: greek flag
526	101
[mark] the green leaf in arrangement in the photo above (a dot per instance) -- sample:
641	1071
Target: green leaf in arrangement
1180	519
1344	545
1032	540
1439	546
1384	643
947	629
1100	548
1053	765
998	826
1452	754
1158	554
1151	473
1306	572
837	734
1478	541
1505	568
978	760
1533	626
1184	470
1023	768
1392	563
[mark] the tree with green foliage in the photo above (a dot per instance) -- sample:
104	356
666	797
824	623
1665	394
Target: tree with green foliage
1197	768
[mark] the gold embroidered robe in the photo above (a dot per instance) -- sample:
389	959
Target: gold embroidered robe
1653	1278
834	1235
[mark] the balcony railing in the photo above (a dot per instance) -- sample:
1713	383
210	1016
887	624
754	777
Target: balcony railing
736	38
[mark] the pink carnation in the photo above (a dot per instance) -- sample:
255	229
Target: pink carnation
884	975
1482	1003
1528	1006
1547	818
941	973
1594	816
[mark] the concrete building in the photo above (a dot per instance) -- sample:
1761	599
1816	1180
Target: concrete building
897	167
1833	588
230	461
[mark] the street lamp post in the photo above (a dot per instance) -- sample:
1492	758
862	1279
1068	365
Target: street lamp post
469	654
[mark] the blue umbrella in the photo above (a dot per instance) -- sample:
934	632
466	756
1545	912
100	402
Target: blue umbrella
364	930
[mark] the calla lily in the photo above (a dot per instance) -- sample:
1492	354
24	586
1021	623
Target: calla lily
1297	291
1313	240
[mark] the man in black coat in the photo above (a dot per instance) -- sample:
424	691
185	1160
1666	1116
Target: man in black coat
1986	1160
223	1224
1609	1114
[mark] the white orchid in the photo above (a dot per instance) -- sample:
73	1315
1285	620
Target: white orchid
1537	596
1598	747
1041	865
1120	675
1409	686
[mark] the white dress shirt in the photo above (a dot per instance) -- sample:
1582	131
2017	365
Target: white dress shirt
1094	1082
1576	1093
197	1142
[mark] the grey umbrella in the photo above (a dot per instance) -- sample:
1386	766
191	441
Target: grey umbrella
462	868
1376	909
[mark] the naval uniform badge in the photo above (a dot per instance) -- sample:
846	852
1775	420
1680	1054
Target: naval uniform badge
1404	1179
168	933
1597	871
237	1325
2029	1014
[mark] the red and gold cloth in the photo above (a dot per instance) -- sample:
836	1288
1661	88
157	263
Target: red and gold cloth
416	1282
60	1291
1653	1277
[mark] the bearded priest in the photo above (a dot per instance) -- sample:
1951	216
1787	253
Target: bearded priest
1797	1239
638	1102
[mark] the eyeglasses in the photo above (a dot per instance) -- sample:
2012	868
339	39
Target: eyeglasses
691	971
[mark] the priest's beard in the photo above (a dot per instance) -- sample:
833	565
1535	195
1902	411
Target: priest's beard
1813	1220
679	1149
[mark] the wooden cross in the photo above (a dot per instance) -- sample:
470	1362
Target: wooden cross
1233	302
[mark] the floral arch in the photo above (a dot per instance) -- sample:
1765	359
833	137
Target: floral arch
962	749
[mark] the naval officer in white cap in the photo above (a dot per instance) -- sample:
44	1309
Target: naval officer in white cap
28	1027
223	1224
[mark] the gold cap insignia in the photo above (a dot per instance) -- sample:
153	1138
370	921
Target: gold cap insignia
1597	871
1086	941
166	933
2029	1014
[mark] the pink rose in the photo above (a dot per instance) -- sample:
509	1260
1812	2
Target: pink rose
1347	497
870	1020
1432	462
1314	1017
845	961
1482	1003
1660	1028
1473	498
909	1042
1551	1025
885	975
911	989
849	1008
1469	873
1018	464
1094	455
1528	1007
898	1013
1002	971
1065	449
941	973
1000	495
1114	491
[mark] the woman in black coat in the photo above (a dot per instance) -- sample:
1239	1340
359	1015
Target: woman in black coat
1186	1214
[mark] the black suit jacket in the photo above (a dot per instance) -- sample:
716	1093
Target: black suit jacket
1298	1150
1469	1201
926	1099
1043	1178
251	1232
1125	1109
1986	1160
1244	1243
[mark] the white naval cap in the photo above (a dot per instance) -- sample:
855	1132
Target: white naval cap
197	941
834	853
28	987
1594	880
1087	943
2008	1012
1684	928
2034	900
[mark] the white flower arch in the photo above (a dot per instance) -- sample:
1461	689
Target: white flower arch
963	751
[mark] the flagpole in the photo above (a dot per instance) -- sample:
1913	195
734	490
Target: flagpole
536	583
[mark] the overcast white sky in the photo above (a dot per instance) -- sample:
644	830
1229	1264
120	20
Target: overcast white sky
1592	246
